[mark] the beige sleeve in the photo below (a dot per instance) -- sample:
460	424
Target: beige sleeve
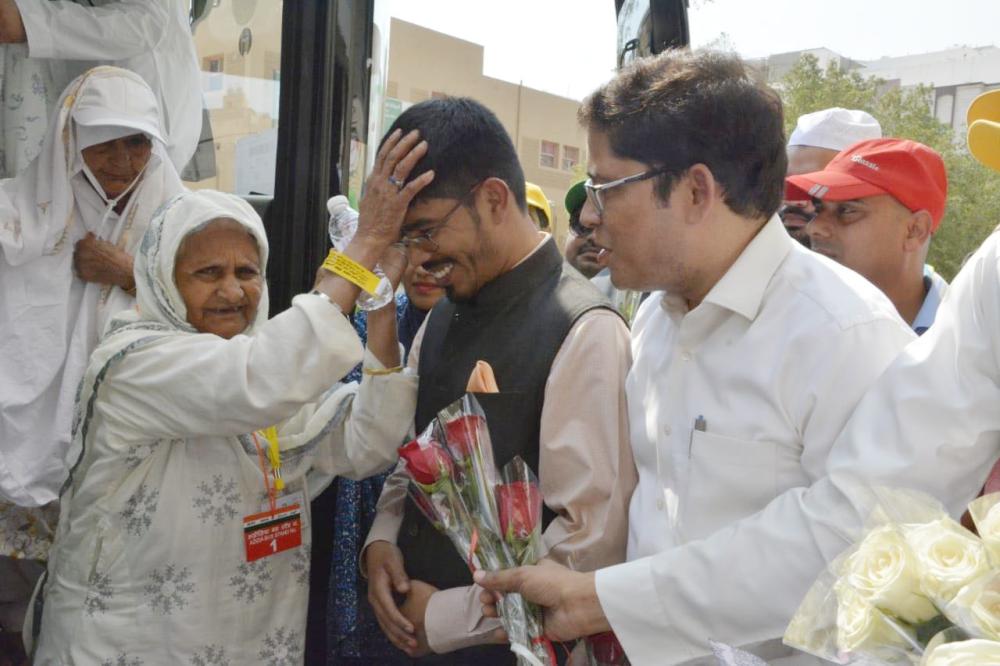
586	470
454	620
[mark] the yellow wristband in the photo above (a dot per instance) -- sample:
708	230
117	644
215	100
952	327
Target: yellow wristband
352	271
375	372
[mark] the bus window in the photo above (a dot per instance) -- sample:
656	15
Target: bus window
239	48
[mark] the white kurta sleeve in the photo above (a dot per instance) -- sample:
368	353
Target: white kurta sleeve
355	430
203	385
743	583
120	30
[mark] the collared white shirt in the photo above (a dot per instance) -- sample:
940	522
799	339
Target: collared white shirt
733	407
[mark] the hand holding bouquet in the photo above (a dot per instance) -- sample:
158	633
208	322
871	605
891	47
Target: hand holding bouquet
493	520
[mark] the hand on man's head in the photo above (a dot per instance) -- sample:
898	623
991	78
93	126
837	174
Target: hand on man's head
387	195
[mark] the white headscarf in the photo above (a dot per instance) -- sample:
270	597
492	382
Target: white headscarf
158	299
50	320
160	310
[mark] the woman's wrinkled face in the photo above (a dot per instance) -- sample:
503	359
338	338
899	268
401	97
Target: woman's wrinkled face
219	277
117	163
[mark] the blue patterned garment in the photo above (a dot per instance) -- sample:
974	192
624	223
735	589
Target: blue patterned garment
353	634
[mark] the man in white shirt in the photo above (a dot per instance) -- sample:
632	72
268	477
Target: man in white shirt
749	358
878	203
816	139
150	37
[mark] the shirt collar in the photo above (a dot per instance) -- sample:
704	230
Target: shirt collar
742	287
542	237
935	287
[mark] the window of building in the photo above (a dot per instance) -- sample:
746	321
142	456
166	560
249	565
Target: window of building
548	154
239	47
571	157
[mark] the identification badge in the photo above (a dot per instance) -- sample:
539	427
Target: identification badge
274	532
286	500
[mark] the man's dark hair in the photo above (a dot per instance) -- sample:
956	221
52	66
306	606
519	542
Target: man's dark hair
679	109
466	144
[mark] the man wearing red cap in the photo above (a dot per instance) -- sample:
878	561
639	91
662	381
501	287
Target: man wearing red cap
877	205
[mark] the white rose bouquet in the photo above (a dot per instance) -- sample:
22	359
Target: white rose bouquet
976	652
916	579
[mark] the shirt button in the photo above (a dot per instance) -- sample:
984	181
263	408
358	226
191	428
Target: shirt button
686	356
660	503
667	431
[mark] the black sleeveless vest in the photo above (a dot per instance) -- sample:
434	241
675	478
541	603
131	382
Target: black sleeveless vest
517	323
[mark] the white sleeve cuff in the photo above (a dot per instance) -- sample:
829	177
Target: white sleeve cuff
628	596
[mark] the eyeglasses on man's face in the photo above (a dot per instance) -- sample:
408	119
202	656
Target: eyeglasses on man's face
422	238
596	193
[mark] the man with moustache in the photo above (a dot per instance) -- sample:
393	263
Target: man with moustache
816	139
560	355
877	204
580	251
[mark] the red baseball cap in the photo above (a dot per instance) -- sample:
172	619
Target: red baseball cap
910	172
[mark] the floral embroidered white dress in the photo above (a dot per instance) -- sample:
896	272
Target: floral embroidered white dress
149	565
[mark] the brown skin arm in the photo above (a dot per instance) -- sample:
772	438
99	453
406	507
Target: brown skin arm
11	25
383	340
99	261
381	213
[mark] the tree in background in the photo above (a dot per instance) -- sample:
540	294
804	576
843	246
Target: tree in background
973	208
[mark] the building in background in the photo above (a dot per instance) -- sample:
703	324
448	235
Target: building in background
957	75
550	142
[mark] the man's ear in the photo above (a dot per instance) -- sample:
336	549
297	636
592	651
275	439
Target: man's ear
701	189
497	196
918	230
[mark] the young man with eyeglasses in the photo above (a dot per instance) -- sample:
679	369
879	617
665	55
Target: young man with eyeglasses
816	139
748	359
877	204
560	354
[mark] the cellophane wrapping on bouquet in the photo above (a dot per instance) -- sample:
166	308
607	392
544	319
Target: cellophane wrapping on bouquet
914	589
493	519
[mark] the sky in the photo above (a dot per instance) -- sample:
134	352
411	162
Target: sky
567	47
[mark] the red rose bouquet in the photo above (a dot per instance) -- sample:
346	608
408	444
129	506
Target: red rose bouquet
519	501
434	490
493	524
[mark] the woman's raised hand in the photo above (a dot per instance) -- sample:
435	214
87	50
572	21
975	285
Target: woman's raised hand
387	194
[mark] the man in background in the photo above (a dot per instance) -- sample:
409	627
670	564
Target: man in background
816	139
581	252
877	205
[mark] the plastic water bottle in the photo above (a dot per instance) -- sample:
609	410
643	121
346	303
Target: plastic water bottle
343	226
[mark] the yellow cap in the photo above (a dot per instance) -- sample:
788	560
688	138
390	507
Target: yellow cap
536	198
984	129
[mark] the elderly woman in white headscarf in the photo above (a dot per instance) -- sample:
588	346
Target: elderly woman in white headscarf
159	556
68	227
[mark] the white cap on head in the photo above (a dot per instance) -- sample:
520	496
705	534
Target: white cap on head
834	129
